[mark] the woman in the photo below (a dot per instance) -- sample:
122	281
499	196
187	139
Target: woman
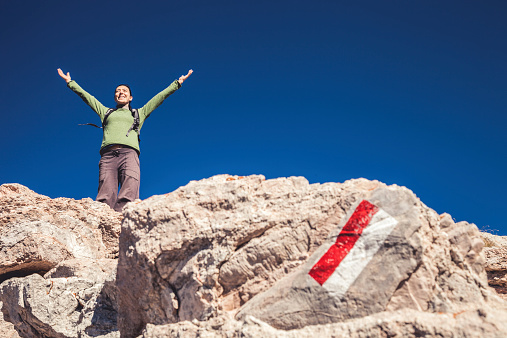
119	162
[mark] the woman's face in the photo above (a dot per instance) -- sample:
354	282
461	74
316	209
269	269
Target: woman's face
122	95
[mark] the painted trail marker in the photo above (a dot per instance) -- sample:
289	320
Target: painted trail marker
356	244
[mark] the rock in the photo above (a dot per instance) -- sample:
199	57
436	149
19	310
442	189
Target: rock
401	323
205	258
243	256
76	299
7	329
361	289
417	267
70	242
496	262
37	232
214	244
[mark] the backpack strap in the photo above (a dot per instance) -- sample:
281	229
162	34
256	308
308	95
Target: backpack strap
89	124
136	124
108	112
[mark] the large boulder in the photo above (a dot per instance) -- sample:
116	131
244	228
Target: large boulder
212	245
232	255
37	232
73	244
407	258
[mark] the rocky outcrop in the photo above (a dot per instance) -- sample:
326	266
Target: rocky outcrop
37	232
496	262
244	256
74	245
227	248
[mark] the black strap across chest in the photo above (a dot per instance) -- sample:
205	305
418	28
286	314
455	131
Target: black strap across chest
135	126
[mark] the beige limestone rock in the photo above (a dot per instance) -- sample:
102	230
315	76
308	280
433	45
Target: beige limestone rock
76	299
37	232
191	259
474	323
495	248
419	266
220	241
195	262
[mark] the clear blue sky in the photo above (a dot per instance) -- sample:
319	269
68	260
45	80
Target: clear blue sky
411	93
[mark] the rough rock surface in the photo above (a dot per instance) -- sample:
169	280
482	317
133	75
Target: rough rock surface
399	324
71	238
228	247
7	329
37	232
214	244
496	262
81	304
230	256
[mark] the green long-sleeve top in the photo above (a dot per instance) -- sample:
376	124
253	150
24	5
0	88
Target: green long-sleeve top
119	122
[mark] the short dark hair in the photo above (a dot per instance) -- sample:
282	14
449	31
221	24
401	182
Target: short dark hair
126	85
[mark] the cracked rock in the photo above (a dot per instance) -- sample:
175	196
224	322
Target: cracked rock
81	304
37	232
236	256
229	256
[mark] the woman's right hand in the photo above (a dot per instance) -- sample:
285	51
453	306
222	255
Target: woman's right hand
66	77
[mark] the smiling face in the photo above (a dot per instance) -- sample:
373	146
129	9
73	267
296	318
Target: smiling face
122	95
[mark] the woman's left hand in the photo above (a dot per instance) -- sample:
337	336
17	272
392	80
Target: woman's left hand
184	77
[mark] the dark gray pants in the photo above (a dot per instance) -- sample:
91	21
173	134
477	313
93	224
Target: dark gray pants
118	167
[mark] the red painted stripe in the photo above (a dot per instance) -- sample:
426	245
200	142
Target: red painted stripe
344	242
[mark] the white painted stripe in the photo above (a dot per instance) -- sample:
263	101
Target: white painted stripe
366	247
